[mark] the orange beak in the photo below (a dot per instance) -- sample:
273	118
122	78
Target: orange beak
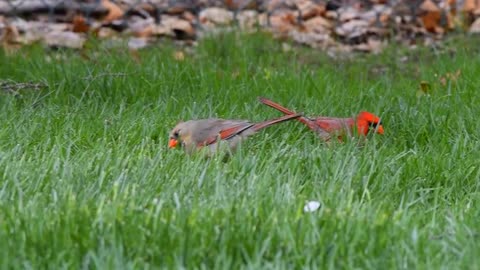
380	129
172	143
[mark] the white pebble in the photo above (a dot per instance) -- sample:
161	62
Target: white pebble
311	206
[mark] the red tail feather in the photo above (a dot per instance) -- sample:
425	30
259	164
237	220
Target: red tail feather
268	123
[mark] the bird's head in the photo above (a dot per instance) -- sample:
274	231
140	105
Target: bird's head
177	135
367	122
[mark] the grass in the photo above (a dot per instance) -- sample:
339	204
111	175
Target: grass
87	181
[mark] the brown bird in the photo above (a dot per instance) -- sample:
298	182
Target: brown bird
328	127
194	135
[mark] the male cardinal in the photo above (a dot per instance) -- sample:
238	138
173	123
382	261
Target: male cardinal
196	134
326	127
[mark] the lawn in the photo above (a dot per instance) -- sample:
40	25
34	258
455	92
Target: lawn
87	180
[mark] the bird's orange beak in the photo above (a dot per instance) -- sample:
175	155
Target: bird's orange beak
172	143
380	129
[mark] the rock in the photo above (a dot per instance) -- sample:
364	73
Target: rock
314	40
317	25
136	43
348	14
189	16
309	9
177	27
284	21
215	16
247	19
114	11
141	27
106	32
469	6
352	29
332	15
32	31
475	27
371	46
66	39
263	19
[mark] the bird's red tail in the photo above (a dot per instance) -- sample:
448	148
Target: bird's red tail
274	105
306	121
264	124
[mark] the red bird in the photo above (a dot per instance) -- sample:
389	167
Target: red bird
326	127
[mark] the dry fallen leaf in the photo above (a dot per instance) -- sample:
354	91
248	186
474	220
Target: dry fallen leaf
424	89
79	24
179	56
10	39
431	17
135	56
450	77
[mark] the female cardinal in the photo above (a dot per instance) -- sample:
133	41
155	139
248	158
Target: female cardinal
325	127
195	134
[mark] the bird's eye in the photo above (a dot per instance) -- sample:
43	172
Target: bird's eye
375	124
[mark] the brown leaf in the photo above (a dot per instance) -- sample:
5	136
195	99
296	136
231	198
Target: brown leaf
114	11
450	77
80	24
179	56
431	15
135	56
241	4
425	87
10	39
